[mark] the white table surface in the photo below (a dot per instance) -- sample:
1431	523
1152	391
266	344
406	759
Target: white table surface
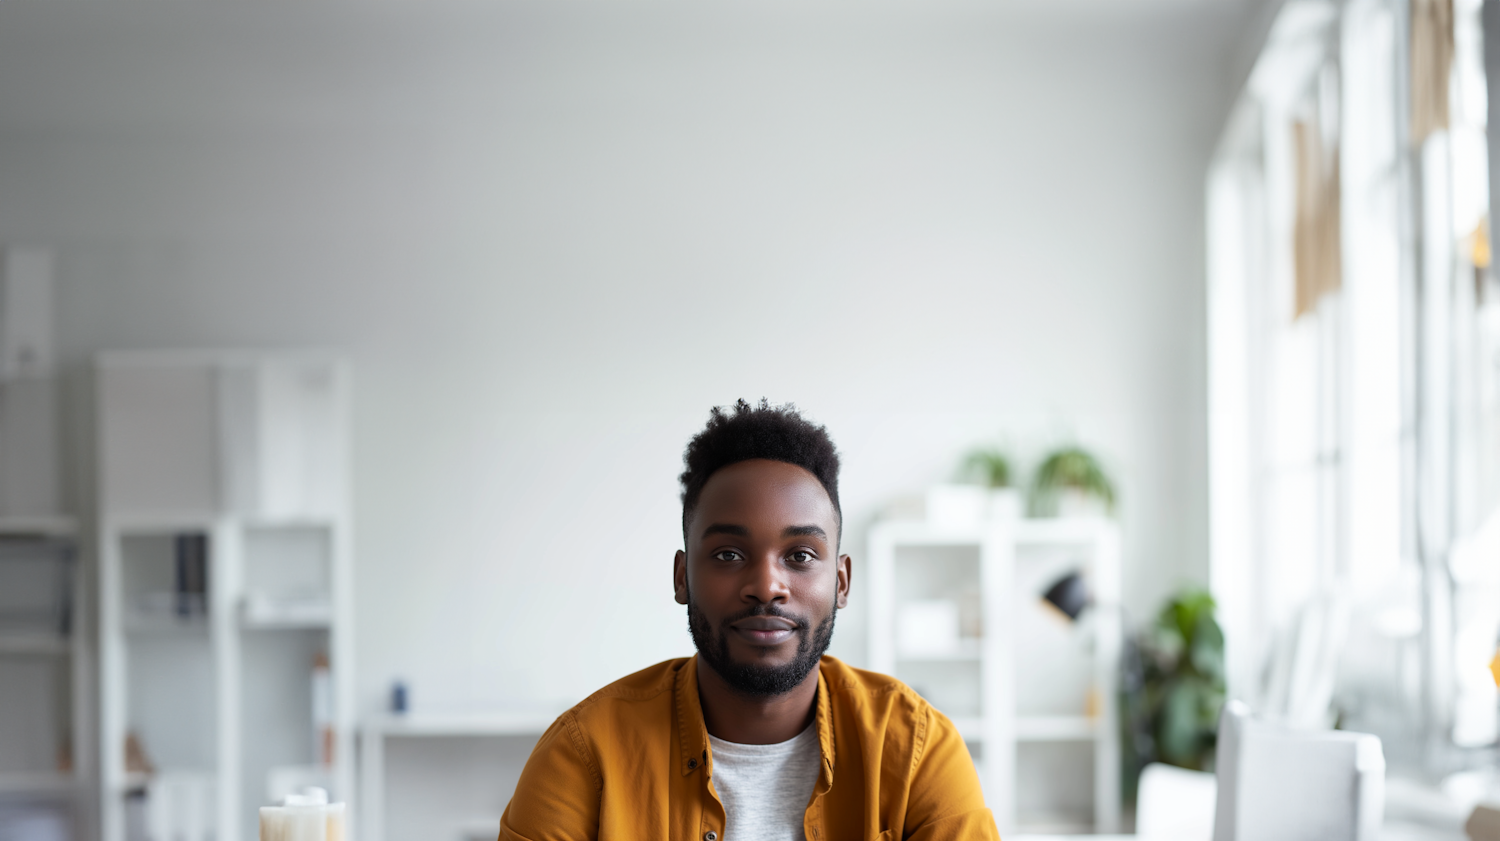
1070	838
1392	831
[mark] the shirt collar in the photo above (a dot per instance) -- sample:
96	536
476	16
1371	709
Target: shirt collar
824	722
693	733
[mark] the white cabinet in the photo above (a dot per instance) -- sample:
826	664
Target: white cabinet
225	633
45	737
1033	694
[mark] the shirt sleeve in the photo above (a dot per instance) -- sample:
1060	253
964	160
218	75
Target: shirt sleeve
557	798
945	801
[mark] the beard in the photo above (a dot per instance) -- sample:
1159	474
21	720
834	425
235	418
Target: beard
754	679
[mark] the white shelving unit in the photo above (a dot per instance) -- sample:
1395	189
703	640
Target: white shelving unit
1018	682
45	677
46	737
240	459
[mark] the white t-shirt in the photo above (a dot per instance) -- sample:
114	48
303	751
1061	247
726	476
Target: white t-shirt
765	789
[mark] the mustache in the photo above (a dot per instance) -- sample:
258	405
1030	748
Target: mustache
767	610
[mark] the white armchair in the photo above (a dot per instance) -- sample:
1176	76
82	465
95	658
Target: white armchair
1280	784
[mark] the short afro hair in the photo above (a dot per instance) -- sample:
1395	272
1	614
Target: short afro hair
778	433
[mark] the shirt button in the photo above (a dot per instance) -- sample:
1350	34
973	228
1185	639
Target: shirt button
710	836
692	763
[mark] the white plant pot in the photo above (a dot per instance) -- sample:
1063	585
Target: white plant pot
957	505
1005	504
1072	502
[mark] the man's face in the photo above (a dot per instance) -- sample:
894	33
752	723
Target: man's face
761	575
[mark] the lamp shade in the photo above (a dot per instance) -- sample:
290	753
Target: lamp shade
1068	594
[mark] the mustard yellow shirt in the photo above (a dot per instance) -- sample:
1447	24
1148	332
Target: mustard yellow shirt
632	763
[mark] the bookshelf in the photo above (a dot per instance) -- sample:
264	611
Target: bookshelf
1034	696
46	667
44	675
225	631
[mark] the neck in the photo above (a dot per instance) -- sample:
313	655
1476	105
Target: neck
746	720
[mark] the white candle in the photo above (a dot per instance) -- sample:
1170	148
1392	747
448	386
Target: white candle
302	823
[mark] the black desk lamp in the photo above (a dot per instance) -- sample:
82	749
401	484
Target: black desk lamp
1069	594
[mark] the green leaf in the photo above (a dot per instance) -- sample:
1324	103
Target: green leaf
1179	730
1188	608
992	465
1207	650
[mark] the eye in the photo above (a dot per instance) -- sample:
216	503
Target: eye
726	555
802	556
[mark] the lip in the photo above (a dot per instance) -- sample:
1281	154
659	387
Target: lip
765	630
765	638
765	623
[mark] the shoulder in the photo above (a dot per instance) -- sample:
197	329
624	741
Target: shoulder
629	694
873	692
578	736
888	711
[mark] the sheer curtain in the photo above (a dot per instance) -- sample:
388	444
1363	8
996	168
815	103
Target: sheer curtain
1353	364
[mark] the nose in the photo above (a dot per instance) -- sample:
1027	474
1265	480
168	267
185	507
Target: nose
765	582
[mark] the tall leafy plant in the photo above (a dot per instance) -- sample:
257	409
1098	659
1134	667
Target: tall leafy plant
1174	686
992	466
1070	468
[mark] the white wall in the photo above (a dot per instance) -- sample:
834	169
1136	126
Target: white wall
552	235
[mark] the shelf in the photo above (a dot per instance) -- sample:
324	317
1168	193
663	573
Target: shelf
260	614
240	459
291	623
52	526
517	723
148	625
1026	530
968	650
35	644
1056	728
37	784
296	521
1061	529
162	522
922	533
1007	563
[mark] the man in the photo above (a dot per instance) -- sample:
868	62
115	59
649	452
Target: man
759	737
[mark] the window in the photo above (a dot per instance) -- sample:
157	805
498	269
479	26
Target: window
1355	427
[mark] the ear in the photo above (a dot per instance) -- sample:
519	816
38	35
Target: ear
679	577
844	573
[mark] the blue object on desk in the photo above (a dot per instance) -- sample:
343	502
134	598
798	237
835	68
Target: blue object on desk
398	697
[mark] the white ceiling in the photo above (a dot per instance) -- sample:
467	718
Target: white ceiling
155	65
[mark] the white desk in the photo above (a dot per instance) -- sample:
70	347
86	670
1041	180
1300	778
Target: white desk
376	731
1392	831
1071	838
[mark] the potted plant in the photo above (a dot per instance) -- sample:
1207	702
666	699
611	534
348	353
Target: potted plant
1069	482
1173	687
993	469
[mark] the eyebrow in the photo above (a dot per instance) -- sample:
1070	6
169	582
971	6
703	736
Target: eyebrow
789	531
